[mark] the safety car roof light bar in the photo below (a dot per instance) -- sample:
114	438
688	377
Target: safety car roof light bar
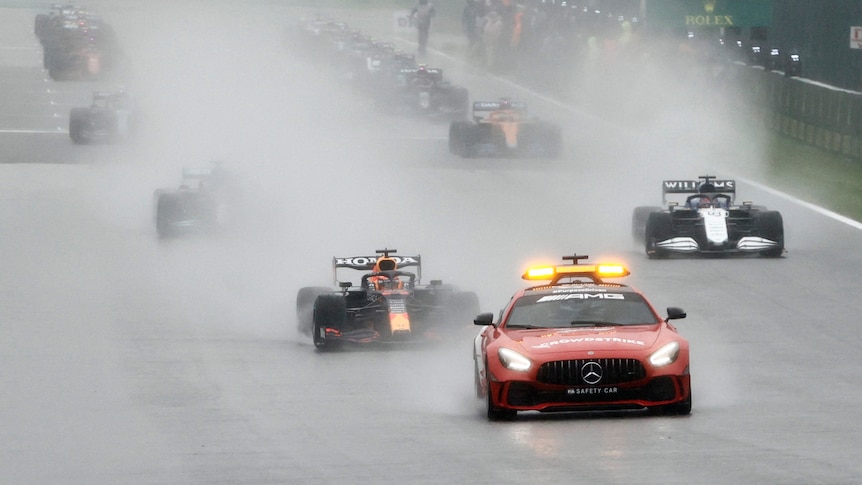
594	272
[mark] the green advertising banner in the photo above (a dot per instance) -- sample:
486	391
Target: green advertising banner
691	14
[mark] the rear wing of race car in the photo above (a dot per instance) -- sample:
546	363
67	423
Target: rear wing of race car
429	70
480	106
706	184
367	263
433	73
190	173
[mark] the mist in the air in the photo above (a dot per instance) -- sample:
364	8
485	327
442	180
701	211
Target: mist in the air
325	175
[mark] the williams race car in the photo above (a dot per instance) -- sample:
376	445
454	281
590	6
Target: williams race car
580	343
707	221
109	118
204	202
388	305
501	129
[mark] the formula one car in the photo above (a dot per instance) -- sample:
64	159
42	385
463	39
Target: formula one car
389	305
77	45
109	118
423	91
707	221
580	343
503	128
203	202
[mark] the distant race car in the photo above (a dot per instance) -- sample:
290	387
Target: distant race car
77	45
502	129
204	202
389	304
707	221
109	118
422	91
580	343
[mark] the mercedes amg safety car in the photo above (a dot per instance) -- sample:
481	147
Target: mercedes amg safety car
707	220
388	304
109	118
504	129
580	343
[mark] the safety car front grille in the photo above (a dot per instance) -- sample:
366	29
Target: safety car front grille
571	372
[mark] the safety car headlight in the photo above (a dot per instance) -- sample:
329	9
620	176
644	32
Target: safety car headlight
513	360
667	354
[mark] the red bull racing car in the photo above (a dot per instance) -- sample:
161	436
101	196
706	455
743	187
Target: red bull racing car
389	304
504	129
579	343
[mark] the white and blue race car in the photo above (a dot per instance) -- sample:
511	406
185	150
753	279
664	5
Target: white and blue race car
707	220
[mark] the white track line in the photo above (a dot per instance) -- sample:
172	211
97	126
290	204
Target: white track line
816	208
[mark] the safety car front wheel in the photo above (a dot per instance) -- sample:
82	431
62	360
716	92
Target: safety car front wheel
495	413
682	408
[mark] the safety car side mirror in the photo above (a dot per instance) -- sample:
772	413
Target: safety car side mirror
484	319
674	313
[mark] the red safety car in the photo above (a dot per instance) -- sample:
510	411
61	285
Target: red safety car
579	343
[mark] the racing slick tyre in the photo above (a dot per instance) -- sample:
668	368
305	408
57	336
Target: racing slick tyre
77	122
493	412
464	306
168	210
550	140
39	25
639	221
555	142
305	307
459	137
770	225
659	227
330	311
458	102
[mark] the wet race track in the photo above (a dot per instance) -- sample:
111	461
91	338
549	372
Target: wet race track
125	359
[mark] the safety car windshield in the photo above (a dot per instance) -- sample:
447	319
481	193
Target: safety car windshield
588	308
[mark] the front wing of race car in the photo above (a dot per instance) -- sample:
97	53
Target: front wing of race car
690	245
176	212
714	231
400	316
